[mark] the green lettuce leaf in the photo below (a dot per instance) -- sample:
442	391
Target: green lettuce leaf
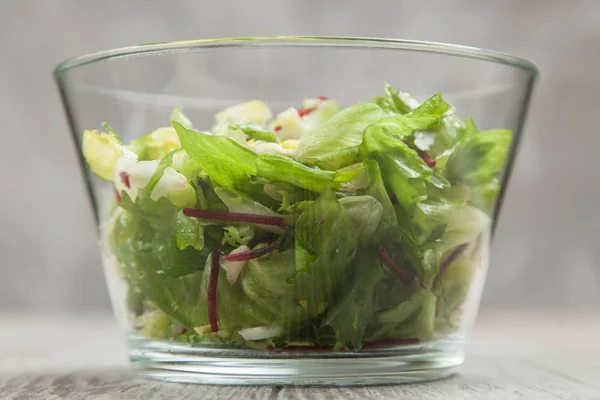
144	241
352	313
463	222
238	235
402	168
189	232
240	204
268	283
233	310
414	317
366	213
400	165
331	139
227	163
255	132
391	101
323	255
484	195
178	116
479	158
283	169
388	223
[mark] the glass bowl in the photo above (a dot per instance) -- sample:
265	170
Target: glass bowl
341	241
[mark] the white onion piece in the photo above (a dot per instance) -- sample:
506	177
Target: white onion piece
170	181
201	330
260	332
138	174
233	268
288	124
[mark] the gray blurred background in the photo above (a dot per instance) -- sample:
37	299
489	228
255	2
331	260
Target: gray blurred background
547	246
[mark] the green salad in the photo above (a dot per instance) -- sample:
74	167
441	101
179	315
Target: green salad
314	228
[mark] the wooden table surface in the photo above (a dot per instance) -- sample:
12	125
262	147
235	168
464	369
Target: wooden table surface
512	356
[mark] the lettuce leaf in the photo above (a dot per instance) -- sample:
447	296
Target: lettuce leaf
366	195
227	163
323	255
144	241
463	222
189	232
352	313
388	223
268	283
391	101
330	140
402	168
479	158
255	132
283	169
365	212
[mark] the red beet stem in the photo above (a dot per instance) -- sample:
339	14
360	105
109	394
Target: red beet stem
212	290
305	111
250	254
391	342
233	217
428	159
118	196
405	275
449	260
323	98
125	179
366	346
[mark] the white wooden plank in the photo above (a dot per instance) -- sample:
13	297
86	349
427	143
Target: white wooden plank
505	377
117	386
522	356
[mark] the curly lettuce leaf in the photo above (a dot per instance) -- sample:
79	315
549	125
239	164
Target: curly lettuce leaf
463	222
479	158
178	116
400	165
392	103
402	168
238	235
189	232
227	163
484	195
414	317
283	169
144	241
268	282
328	144
323	255
240	204
366	213
233	307
388	223
353	312
255	132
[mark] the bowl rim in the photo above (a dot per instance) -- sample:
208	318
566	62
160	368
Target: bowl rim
299	41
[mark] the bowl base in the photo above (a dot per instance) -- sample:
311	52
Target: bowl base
173	362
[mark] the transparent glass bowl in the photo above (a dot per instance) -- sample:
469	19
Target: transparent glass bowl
135	90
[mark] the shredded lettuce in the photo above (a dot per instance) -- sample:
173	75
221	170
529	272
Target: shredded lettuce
328	144
335	229
228	163
480	157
